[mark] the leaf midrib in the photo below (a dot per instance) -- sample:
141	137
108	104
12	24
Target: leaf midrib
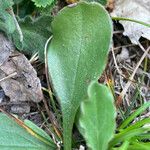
78	60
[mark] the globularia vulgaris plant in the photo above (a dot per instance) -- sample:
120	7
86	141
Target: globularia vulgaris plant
76	56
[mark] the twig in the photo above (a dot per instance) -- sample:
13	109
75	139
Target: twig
116	65
9	76
122	94
115	62
143	49
128	45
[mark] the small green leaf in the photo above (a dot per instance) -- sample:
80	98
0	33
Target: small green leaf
35	34
77	55
7	23
97	117
42	3
14	137
5	4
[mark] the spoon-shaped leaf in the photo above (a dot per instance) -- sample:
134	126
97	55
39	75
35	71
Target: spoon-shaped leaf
76	55
97	117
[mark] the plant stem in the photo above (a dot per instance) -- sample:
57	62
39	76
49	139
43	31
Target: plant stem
132	20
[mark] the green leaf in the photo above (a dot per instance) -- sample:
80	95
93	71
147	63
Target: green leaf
139	146
124	146
7	23
143	137
35	34
77	55
5	4
97	117
14	137
42	3
26	7
17	1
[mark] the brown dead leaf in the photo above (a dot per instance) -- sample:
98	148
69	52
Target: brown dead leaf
24	85
137	10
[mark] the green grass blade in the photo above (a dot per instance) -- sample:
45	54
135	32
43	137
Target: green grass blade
139	146
138	124
134	115
127	135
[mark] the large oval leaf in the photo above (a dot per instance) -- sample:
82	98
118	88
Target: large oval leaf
97	117
15	137
76	55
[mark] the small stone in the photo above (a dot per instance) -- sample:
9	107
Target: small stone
124	55
82	147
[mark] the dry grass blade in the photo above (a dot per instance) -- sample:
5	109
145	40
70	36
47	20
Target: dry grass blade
115	62
124	91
